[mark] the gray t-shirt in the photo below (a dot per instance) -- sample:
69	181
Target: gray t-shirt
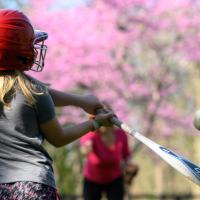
22	156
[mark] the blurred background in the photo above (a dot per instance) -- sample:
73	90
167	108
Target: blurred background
143	57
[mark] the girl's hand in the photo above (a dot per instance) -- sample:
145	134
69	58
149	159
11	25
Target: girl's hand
91	104
103	119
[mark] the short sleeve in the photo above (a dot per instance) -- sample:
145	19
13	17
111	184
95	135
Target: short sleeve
45	108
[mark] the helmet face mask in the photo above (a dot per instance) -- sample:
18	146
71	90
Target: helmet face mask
40	53
40	50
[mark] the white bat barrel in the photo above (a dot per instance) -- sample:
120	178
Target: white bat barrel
184	166
181	164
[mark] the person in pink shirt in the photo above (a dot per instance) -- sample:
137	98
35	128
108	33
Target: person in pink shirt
107	153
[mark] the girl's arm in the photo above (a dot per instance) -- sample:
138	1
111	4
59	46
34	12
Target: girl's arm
59	136
88	103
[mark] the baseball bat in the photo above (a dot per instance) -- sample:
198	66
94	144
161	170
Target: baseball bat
181	164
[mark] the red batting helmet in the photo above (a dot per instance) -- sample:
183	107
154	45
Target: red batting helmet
20	46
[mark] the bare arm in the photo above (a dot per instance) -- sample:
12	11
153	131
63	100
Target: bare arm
88	103
58	136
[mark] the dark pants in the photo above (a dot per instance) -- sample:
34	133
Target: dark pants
113	190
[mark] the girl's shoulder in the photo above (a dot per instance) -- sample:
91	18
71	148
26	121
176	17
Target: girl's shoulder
37	85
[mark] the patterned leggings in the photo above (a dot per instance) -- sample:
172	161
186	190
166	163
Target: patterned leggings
27	191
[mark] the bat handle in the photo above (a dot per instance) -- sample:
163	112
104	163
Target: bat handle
116	121
120	124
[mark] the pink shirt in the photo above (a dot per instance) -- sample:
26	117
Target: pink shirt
103	164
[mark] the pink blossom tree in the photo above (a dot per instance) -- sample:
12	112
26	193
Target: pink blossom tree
132	53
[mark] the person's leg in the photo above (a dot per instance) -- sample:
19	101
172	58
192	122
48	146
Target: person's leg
28	191
91	190
115	190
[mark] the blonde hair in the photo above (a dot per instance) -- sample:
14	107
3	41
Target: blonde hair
10	81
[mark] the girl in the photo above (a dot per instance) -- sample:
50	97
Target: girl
27	114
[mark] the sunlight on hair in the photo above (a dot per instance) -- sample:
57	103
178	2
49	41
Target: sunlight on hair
11	81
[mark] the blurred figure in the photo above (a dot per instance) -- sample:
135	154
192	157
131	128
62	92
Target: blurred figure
107	159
